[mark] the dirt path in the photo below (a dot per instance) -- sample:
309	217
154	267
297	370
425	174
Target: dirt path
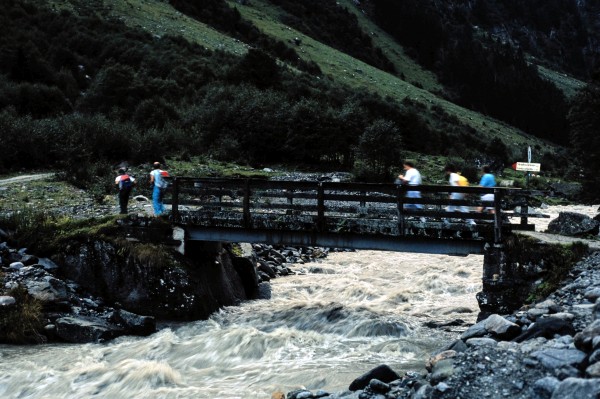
558	239
25	178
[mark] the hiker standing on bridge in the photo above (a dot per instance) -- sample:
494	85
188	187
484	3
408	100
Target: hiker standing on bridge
125	184
457	180
487	180
412	177
159	186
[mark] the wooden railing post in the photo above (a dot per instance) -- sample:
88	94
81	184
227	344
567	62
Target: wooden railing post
321	208
175	200
400	201
525	211
246	204
497	216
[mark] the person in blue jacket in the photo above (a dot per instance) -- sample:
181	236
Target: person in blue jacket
487	180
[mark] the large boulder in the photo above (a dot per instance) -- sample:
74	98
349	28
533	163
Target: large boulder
382	373
570	191
82	329
573	224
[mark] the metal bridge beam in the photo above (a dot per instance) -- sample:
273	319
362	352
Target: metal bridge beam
459	247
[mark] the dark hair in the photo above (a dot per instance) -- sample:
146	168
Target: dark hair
409	162
450	168
486	169
121	171
156	164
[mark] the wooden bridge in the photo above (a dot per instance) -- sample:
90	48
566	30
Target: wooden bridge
344	215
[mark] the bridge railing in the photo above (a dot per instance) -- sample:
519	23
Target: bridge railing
338	207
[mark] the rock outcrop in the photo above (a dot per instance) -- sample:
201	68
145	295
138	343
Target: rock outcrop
573	224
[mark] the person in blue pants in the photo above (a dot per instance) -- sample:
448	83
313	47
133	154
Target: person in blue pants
159	186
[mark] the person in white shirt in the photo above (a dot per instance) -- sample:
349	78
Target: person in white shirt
157	179
412	177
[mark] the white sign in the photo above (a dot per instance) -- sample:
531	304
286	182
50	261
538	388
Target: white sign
528	166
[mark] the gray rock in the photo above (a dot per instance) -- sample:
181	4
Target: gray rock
383	373
500	327
379	386
584	339
544	387
535	313
573	224
48	290
80	329
555	358
577	388
548	304
423	392
566	190
47	264
476	330
594	357
441	371
477	342
7	301
29	260
16	266
593	370
135	324
562	316
592	294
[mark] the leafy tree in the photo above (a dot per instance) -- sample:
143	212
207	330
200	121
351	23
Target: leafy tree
379	147
584	121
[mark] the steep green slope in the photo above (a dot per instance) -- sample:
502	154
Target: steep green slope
159	18
341	67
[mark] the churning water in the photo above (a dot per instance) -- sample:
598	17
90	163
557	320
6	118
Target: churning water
346	315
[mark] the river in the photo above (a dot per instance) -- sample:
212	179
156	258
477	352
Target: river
347	314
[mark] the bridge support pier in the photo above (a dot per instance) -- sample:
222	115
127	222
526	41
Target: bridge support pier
504	290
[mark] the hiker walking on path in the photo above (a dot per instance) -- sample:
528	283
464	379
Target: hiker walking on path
457	180
159	183
487	180
125	184
412	177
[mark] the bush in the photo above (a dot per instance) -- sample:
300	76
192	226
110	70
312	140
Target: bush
22	323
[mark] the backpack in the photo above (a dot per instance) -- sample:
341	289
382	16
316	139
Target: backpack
462	181
166	179
126	182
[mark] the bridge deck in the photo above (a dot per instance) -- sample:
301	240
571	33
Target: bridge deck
355	215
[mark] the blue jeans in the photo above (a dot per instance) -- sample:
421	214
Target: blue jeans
157	200
413	194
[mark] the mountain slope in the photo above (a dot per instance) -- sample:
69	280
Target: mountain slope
159	18
96	81
343	68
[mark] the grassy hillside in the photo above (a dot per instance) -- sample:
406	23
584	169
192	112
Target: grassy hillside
159	18
340	67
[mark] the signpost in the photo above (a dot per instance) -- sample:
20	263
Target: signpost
527	166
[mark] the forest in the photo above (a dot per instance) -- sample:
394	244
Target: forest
80	92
